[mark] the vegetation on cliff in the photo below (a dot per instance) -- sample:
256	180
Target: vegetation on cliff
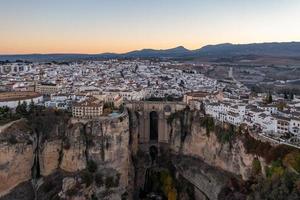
208	123
225	133
278	178
160	181
281	179
185	118
49	123
282	185
6	115
289	157
256	167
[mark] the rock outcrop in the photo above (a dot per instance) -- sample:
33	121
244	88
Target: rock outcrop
189	138
16	156
73	157
49	157
93	153
65	158
208	181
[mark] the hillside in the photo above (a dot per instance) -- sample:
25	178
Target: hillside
275	49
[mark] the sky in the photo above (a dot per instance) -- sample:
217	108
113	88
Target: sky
97	26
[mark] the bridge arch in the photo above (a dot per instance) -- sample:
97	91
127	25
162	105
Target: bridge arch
152	119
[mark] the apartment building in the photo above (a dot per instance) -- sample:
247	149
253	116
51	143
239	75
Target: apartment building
89	108
46	88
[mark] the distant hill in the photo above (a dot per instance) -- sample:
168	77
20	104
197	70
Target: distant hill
283	49
267	49
174	52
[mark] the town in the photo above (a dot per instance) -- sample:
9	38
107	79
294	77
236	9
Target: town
91	89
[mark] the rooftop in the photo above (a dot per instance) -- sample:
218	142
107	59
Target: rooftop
197	94
15	96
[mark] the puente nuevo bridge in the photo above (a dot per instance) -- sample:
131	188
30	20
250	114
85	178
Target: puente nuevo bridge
152	116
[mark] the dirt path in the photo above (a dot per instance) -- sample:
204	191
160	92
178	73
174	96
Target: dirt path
3	127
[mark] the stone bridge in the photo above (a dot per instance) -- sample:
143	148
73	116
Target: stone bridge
153	115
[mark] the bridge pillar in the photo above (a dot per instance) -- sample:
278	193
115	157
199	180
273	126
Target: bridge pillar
162	131
145	128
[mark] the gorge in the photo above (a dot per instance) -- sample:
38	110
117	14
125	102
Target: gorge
151	150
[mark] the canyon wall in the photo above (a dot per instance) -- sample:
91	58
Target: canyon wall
208	155
67	158
90	156
189	137
16	156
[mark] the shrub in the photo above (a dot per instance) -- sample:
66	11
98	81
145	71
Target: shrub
208	123
275	170
12	139
71	192
283	187
92	166
168	186
99	180
225	135
87	178
48	186
256	167
112	182
94	197
109	182
292	160
265	150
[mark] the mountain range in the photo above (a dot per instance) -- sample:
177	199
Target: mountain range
274	49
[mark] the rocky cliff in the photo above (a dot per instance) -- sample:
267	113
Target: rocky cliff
53	156
16	156
66	158
190	136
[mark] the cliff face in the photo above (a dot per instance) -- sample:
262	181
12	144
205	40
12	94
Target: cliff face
49	156
16	156
189	138
65	158
99	150
73	156
93	154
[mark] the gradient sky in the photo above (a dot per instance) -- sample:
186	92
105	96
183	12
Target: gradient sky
95	26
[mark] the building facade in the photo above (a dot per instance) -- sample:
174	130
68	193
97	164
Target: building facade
90	108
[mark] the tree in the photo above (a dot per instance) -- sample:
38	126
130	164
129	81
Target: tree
269	98
285	95
21	109
202	107
136	68
256	167
291	96
24	108
281	106
31	107
18	108
92	166
181	84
